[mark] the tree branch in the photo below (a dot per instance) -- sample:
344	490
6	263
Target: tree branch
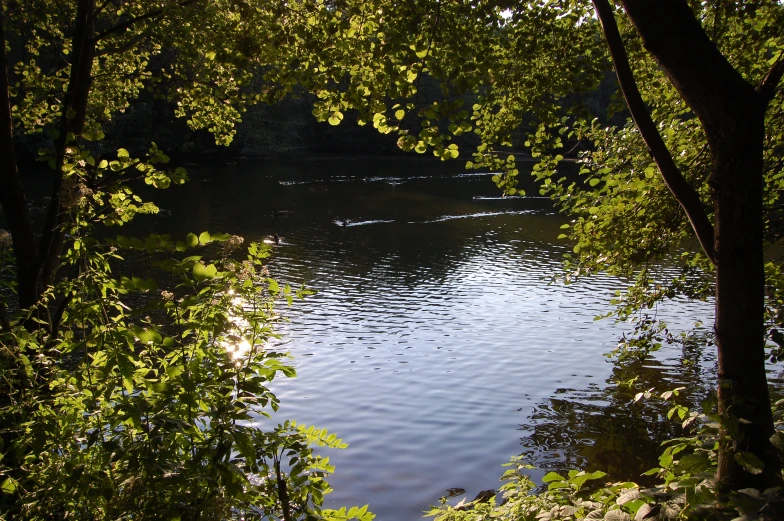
58	315
131	21
684	193
767	87
711	87
101	7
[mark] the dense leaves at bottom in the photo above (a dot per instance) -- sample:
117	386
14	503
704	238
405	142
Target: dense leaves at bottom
155	403
686	489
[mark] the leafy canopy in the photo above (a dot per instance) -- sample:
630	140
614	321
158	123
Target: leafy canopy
534	76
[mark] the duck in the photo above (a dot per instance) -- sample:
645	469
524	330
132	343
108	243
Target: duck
272	239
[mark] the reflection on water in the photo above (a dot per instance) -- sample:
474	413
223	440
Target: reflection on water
600	426
436	345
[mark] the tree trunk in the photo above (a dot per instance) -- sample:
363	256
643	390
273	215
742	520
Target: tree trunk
732	114
71	126
37	263
744	403
12	196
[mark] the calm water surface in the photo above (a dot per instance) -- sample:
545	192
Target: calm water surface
436	345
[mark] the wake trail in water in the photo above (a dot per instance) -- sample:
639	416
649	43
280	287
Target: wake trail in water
477	215
471	216
348	224
383	179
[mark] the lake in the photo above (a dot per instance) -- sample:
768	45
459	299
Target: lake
437	344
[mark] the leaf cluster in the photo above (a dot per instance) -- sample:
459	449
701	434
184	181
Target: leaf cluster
155	400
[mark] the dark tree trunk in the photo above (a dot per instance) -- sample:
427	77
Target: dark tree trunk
12	196
740	282
732	114
37	263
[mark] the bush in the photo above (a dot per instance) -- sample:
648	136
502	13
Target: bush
140	401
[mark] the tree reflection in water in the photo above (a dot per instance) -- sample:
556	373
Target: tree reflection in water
601	428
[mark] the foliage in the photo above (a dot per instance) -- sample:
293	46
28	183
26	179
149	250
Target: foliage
687	487
202	56
138	395
520	76
147	404
84	366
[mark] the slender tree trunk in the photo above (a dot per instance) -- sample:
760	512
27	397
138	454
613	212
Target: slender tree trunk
72	125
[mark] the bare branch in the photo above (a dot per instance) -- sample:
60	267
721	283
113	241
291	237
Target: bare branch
684	193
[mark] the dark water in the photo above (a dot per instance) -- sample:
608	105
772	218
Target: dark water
436	345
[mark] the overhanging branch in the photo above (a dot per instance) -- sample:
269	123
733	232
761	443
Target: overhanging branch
684	193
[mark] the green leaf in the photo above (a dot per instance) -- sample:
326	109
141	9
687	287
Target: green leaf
191	240
552	476
147	335
122	153
126	370
628	495
202	272
204	238
751	463
778	440
646	511
665	460
8	486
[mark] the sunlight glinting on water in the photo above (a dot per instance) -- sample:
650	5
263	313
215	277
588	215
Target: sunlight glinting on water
236	341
